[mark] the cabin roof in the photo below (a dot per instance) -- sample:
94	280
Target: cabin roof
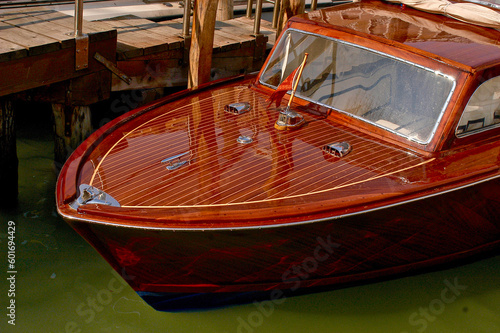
433	35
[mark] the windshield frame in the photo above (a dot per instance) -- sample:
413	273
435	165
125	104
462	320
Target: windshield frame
438	119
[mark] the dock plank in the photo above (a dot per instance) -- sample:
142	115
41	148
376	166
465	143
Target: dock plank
35	43
266	28
37	48
228	37
222	41
171	36
234	32
133	41
11	51
95	30
42	27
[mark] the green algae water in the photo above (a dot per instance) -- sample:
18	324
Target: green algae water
59	283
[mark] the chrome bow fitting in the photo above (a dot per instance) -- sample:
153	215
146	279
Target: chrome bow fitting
93	195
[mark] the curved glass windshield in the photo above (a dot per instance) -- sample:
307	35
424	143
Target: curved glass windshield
399	96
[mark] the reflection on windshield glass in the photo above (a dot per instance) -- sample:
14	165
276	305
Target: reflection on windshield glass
399	96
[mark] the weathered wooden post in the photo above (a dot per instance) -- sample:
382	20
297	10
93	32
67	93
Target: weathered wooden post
8	155
225	10
202	40
276	13
314	4
72	125
72	122
288	9
257	18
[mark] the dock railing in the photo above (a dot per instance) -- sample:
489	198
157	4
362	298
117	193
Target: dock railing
78	17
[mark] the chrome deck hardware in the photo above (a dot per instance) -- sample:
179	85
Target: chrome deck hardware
337	149
237	108
244	139
175	162
92	195
288	120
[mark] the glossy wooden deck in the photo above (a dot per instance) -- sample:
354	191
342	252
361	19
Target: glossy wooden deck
221	171
282	177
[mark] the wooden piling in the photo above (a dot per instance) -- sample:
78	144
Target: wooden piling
72	125
288	9
225	10
8	155
202	41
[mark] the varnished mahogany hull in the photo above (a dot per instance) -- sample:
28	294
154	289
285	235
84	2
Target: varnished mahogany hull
400	213
239	222
187	270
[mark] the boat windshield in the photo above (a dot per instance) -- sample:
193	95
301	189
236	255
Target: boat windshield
391	93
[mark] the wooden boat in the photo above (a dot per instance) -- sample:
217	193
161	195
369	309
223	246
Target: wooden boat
386	163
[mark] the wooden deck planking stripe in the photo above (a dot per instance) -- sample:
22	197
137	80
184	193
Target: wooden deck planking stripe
155	145
155	196
158	123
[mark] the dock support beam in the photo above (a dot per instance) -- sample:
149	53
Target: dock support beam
202	40
8	155
72	125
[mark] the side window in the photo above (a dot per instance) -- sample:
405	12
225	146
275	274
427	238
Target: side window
483	109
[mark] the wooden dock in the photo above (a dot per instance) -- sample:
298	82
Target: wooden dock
152	54
40	55
155	54
37	48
